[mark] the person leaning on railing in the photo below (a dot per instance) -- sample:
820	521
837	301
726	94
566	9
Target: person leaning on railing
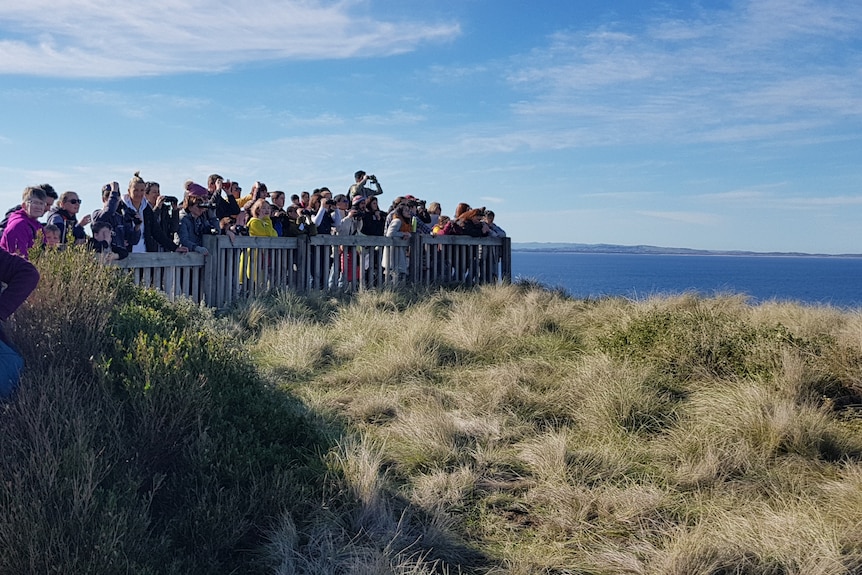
299	222
124	223
494	230
102	243
260	224
196	223
155	237
373	218
472	225
395	257
278	215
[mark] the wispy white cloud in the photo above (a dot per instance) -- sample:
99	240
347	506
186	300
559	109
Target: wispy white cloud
774	196
101	38
762	70
392	118
624	196
828	201
697	218
749	194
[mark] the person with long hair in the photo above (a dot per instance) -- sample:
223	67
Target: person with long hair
373	218
395	257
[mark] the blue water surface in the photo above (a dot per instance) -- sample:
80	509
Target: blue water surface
805	279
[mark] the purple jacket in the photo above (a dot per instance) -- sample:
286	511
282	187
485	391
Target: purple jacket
20	278
20	233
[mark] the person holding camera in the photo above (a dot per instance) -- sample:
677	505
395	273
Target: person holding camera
299	222
222	197
161	212
328	217
196	223
258	192
360	189
127	231
351	220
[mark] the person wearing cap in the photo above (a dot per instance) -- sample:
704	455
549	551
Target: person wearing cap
195	189
360	189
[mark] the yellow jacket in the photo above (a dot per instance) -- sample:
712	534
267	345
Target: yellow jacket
261	227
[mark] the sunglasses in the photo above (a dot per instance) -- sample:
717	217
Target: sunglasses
74	201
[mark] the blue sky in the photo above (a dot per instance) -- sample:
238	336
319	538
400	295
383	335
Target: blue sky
715	125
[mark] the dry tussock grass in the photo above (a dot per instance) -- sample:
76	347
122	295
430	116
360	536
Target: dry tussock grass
296	349
755	537
616	397
523	421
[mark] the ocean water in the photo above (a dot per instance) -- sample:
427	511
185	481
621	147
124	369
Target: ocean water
810	280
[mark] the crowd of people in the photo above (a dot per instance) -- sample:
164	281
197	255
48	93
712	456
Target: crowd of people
141	219
144	220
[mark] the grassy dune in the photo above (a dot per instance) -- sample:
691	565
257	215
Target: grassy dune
507	430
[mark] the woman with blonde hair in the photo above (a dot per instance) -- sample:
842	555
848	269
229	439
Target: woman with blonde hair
260	223
434	210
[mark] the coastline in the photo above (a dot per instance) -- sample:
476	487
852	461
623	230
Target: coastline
539	247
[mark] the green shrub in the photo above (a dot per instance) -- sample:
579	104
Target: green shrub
143	439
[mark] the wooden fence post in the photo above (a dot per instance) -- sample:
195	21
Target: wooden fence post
506	261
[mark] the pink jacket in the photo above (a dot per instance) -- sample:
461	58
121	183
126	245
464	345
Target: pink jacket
20	233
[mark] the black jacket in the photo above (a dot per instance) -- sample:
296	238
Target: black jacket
154	234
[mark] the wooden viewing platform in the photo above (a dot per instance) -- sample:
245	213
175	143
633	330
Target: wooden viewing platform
252	266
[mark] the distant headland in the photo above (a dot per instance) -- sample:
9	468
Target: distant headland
652	250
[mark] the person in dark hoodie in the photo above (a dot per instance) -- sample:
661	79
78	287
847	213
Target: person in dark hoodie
125	224
102	243
65	217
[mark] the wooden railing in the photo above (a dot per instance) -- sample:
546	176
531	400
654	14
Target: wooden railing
251	266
